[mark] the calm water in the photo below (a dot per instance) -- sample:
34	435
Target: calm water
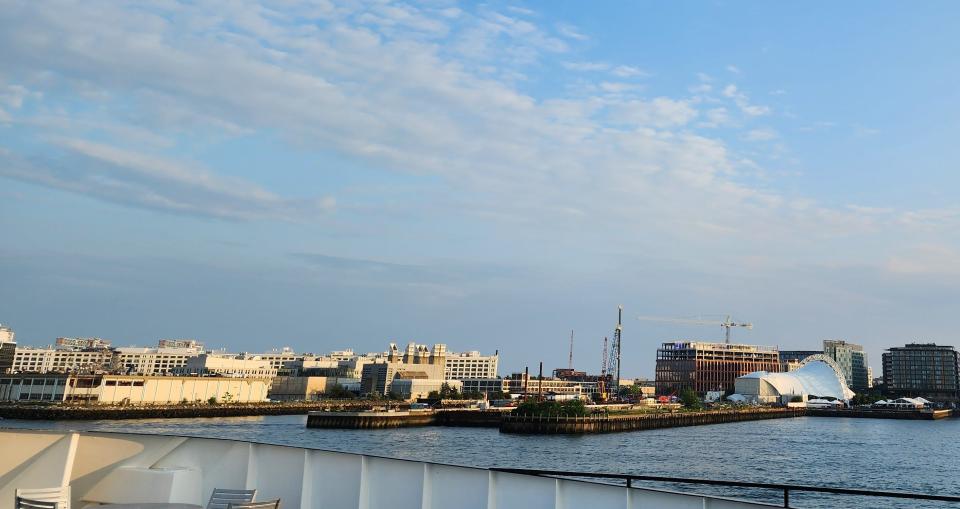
888	455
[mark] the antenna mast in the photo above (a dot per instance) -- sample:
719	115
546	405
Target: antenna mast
570	359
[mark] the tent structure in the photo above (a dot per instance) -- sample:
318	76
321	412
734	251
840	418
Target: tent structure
817	376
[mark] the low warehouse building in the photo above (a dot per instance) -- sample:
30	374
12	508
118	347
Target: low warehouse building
133	390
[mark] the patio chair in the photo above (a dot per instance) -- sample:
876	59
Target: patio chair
42	498
223	498
27	503
267	504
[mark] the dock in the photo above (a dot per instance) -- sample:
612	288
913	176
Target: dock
535	424
882	413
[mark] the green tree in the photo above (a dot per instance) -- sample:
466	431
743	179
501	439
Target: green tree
212	400
690	399
572	408
340	392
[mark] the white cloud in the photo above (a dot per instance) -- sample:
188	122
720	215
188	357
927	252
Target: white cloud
419	92
571	32
734	69
762	134
586	66
926	260
131	178
743	102
626	71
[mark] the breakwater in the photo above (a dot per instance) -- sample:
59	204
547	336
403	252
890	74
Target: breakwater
376	420
103	412
882	413
538	424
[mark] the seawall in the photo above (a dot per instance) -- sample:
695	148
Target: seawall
883	413
376	420
636	422
98	412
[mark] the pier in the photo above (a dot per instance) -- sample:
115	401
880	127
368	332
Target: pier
536	424
882	413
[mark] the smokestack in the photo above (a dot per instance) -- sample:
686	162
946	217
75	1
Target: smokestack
540	384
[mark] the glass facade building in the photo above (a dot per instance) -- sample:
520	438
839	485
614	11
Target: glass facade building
922	369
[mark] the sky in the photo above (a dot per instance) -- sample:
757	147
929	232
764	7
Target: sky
325	175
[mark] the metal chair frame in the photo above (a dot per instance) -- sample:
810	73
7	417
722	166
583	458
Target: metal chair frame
223	498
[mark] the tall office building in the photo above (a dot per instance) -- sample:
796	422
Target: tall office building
852	361
707	367
922	369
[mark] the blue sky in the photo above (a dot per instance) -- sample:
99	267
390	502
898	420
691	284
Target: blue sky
325	175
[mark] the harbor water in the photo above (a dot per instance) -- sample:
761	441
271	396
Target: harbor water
871	454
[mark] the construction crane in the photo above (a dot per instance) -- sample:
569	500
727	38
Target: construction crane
613	365
726	324
602	382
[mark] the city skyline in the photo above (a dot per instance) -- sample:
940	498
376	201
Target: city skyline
491	175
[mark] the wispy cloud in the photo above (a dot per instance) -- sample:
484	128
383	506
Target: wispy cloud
570	31
130	178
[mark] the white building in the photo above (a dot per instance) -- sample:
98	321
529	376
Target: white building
226	365
134	390
81	343
818	375
52	360
154	361
6	334
460	366
413	388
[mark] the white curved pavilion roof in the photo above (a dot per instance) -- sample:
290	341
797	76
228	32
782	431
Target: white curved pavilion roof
818	375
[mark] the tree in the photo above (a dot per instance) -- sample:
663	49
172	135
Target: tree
212	400
690	399
447	392
340	392
572	408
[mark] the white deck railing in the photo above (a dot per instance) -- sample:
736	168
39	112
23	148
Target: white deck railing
130	468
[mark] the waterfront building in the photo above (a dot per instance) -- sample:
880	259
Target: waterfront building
278	359
7	335
131	389
484	385
705	367
60	360
922	369
471	365
414	388
306	388
153	361
816	376
377	376
852	359
790	359
8	348
81	344
225	365
180	343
